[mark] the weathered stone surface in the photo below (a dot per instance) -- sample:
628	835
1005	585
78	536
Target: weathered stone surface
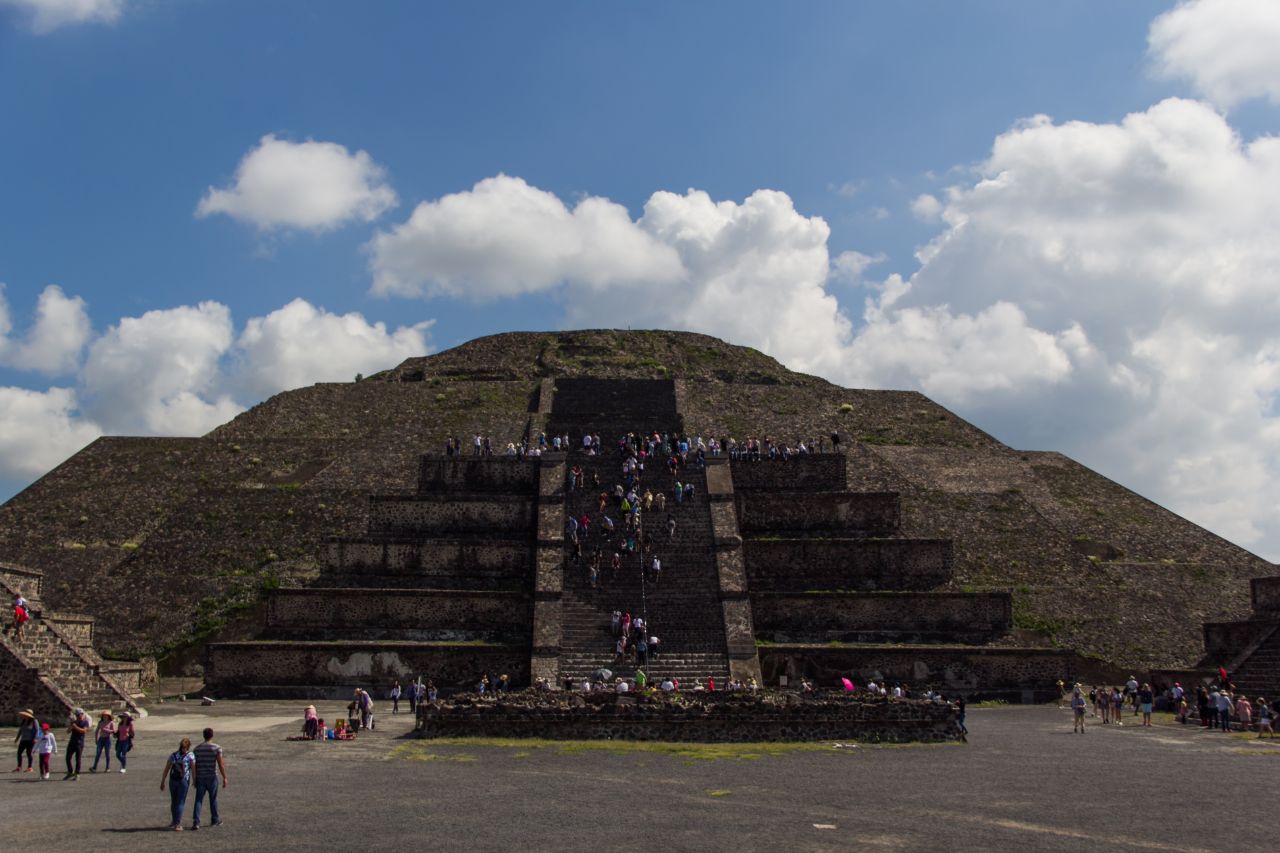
879	616
985	670
868	513
801	565
696	717
301	668
814	472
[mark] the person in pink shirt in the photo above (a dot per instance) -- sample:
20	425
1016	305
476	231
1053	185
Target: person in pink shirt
1244	711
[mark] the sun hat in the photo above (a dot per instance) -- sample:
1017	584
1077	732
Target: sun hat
28	713
108	715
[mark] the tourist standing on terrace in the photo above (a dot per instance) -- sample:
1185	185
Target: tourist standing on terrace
1146	698
395	697
1077	710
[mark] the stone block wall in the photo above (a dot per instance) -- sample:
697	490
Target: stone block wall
862	512
333	669
1224	640
971	670
824	472
447	513
426	614
22	686
1266	595
78	629
504	474
799	565
879	616
472	562
19	579
689	717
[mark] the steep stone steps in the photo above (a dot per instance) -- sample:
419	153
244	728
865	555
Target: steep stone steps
1259	674
683	608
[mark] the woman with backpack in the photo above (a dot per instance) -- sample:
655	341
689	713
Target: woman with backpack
177	771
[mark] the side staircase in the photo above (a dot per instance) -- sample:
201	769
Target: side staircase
1250	649
53	668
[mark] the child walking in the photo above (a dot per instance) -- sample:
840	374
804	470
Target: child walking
46	745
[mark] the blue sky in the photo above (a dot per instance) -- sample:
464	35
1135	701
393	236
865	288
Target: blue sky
1045	309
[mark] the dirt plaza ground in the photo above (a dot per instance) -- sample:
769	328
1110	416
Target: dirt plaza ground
1023	781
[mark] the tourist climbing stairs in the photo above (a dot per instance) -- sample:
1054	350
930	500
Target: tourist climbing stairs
682	608
47	650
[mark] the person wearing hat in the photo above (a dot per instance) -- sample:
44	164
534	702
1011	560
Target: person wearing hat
124	740
77	728
46	745
102	739
310	722
28	732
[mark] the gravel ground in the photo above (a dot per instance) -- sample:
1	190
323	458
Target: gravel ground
1023	780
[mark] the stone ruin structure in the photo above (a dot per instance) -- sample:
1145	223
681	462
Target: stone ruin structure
1248	649
322	540
53	668
778	571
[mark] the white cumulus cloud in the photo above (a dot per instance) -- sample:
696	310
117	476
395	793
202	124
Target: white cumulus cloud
150	374
1228	49
56	339
926	208
39	429
1109	290
47	15
309	185
300	344
504	237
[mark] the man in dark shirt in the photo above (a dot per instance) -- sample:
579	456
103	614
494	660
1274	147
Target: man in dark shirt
209	765
77	729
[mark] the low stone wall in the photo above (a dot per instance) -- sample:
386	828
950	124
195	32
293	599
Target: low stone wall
20	579
857	617
295	669
1025	673
799	565
1225	640
504	474
447	513
475	562
688	717
75	627
821	472
132	676
1266	595
864	512
316	613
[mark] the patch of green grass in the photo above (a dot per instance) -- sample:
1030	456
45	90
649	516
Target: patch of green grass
718	792
419	752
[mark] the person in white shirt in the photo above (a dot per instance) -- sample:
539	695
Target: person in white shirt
623	687
668	685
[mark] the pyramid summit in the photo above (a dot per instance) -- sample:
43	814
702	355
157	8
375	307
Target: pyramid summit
327	530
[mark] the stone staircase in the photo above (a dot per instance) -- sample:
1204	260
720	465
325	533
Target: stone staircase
682	609
55	652
1250	649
